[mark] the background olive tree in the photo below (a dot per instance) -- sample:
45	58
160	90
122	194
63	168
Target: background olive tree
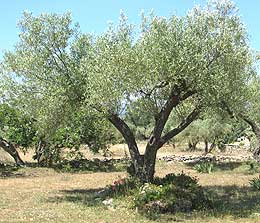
211	131
16	130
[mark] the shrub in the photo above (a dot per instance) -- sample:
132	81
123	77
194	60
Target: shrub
254	167
255	183
180	180
122	186
205	167
175	193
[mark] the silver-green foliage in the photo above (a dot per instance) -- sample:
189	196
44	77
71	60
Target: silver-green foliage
206	50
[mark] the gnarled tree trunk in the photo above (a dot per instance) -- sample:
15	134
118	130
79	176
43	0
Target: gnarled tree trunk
256	129
143	166
9	148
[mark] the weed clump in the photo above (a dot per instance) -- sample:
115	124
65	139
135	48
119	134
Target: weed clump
255	183
205	167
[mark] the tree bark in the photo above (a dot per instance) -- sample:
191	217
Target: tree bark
143	166
206	146
192	145
256	129
136	158
39	152
11	150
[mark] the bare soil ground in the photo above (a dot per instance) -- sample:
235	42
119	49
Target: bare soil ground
45	195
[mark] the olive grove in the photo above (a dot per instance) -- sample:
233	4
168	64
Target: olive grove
189	63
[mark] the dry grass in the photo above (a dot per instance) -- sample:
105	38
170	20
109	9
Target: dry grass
44	195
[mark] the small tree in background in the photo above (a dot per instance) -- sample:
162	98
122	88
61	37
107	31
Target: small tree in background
215	131
16	130
211	131
88	129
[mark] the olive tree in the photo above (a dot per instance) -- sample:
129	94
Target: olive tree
192	61
43	79
168	66
16	130
205	130
248	110
90	130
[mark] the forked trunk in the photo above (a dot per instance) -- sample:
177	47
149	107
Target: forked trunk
11	150
209	149
40	153
143	166
192	146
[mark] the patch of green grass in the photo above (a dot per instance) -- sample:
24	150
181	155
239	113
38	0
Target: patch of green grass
255	183
205	167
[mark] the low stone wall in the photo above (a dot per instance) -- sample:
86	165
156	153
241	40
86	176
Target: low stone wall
208	157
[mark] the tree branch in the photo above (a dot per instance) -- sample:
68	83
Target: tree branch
187	95
163	116
184	124
10	149
174	99
126	132
53	54
253	124
157	86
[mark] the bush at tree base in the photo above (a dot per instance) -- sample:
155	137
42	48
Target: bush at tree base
173	193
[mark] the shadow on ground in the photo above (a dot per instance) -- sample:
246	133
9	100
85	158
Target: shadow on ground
238	202
10	171
70	166
95	165
220	166
87	197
